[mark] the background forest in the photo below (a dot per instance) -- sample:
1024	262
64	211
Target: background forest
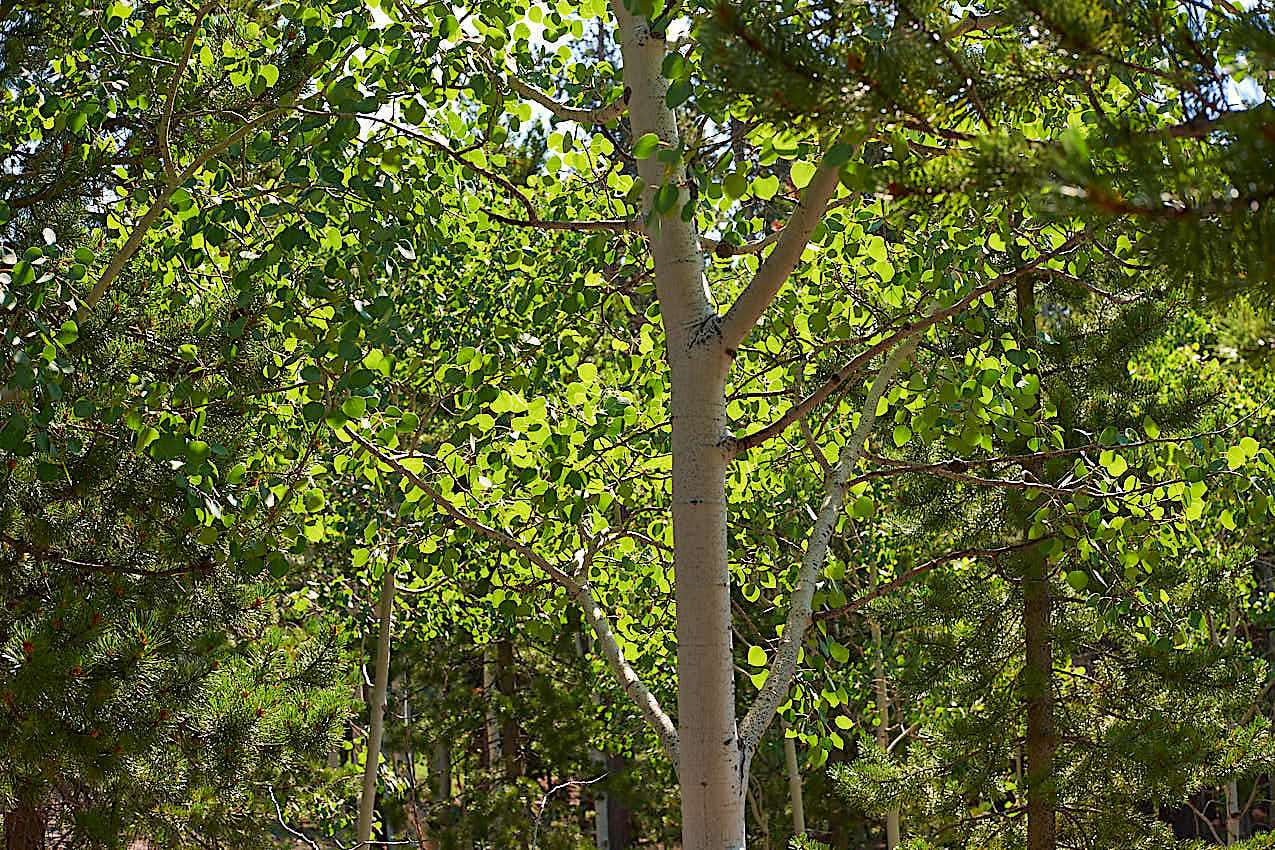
804	423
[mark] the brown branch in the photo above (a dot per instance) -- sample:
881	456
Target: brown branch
595	115
52	556
749	441
896	583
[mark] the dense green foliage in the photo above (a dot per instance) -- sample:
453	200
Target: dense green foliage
299	295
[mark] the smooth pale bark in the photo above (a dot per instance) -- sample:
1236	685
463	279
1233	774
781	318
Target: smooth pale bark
376	709
794	781
601	817
1232	813
800	613
883	712
712	766
494	754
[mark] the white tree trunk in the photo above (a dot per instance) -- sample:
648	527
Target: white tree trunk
376	708
494	754
712	765
794	781
1232	813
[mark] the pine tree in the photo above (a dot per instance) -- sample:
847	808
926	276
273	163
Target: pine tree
148	683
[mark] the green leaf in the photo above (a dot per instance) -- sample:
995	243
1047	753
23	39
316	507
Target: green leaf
801	174
23	274
766	187
354	407
313	411
735	185
678	93
145	437
902	434
1078	579
756	656
645	146
863	507
14	433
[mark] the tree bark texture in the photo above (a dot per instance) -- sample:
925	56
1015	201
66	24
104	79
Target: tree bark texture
712	767
510	734
883	713
1038	671
24	827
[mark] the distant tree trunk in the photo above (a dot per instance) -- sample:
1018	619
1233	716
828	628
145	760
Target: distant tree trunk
1038	670
759	814
883	712
794	781
619	815
440	770
493	755
510	733
1037	676
24	827
1232	813
376	709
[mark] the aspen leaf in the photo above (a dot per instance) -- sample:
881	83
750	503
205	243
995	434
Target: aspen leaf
801	174
645	146
862	507
756	656
766	187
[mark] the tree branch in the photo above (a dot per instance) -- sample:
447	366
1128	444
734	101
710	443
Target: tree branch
596	115
817	396
580	591
612	225
894	584
784	664
744	314
157	208
166	119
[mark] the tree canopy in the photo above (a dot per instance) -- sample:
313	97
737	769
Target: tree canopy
638	405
